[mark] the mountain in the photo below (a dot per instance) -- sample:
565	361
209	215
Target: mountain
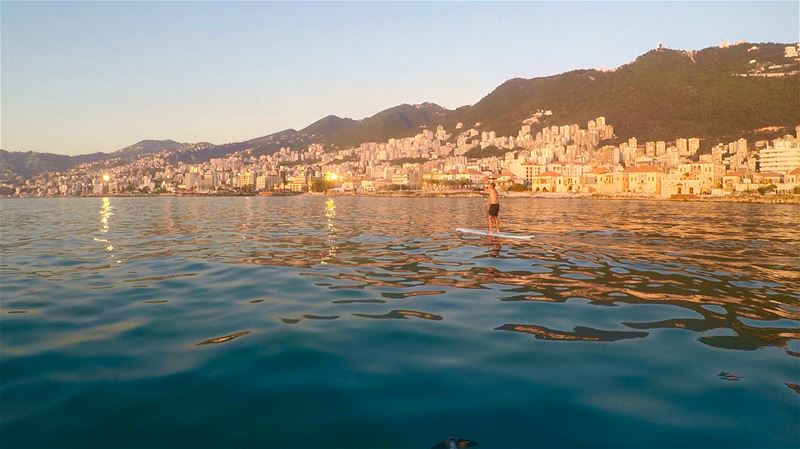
288	138
717	94
16	165
147	147
400	121
664	94
20	165
329	125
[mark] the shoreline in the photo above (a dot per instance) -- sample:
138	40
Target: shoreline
754	199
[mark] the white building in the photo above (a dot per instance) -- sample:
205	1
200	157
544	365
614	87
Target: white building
782	157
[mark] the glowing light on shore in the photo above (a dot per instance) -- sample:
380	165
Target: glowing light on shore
106	177
331	176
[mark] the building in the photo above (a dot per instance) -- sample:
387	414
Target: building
529	171
590	181
644	179
546	182
247	179
793	176
611	182
683	146
737	181
782	157
694	145
708	173
296	183
790	182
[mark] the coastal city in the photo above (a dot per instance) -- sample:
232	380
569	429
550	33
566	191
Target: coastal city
407	225
544	158
570	159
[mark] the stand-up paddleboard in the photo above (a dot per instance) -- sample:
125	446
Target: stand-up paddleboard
500	235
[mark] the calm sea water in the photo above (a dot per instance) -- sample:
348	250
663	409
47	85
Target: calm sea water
369	322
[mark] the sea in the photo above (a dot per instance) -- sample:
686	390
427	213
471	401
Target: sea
364	322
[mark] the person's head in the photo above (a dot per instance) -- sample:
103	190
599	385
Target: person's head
491	185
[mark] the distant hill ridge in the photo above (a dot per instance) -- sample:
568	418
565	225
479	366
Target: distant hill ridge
24	164
663	94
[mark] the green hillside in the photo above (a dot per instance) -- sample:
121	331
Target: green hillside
399	121
663	94
15	165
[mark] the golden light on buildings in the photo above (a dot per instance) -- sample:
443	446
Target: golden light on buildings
106	177
331	176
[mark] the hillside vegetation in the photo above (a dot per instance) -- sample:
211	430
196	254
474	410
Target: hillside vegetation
663	94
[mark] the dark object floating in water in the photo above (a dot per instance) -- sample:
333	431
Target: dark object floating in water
223	339
17	311
580	333
358	301
794	387
256	301
402	315
156	301
454	443
729	376
290	320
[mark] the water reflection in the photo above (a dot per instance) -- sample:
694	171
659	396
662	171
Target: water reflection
580	333
641	260
608	271
401	315
330	221
105	218
729	376
223	339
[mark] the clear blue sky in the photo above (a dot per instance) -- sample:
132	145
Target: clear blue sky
83	77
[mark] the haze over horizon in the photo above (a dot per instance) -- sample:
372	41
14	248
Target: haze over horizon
74	83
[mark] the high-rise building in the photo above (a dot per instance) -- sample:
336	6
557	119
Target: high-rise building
246	179
661	148
782	157
650	148
682	145
741	146
694	145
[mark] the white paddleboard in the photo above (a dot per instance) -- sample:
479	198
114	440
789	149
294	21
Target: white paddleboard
501	235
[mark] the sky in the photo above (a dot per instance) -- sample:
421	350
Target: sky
82	77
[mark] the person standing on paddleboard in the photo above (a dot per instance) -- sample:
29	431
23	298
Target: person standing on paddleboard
493	208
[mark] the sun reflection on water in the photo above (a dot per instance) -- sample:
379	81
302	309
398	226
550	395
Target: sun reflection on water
330	216
105	216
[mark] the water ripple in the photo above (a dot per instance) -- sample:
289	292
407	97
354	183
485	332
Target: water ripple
364	312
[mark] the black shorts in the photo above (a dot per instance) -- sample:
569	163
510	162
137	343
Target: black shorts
494	209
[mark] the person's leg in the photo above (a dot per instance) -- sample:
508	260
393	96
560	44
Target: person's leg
497	222
489	222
